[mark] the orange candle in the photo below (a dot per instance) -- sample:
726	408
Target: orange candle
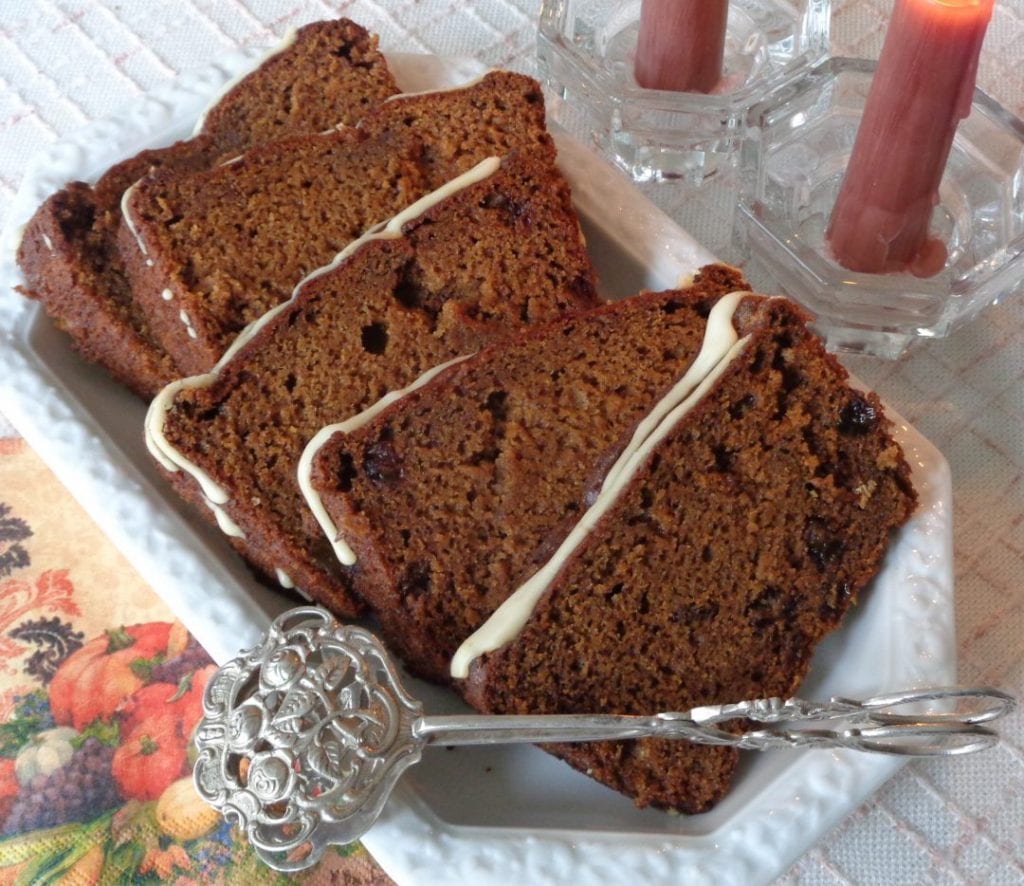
681	44
922	88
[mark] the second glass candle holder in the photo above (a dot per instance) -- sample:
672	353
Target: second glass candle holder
586	54
795	164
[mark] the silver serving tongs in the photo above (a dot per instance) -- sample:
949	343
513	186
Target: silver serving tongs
872	724
306	734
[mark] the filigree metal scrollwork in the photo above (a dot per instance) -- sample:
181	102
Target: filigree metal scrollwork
305	735
300	733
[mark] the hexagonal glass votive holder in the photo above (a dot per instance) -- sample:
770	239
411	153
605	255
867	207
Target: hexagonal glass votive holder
586	53
805	135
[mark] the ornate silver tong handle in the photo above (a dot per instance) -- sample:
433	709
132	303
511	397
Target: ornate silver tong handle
305	735
873	724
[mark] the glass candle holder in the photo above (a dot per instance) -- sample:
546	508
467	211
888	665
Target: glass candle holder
796	158
586	54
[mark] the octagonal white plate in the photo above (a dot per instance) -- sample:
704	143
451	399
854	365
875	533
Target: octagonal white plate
512	815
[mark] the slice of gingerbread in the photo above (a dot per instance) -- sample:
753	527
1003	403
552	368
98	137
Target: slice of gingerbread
207	254
324	74
646	508
493	251
515	437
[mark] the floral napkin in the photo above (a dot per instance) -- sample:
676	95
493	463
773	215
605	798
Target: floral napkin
100	691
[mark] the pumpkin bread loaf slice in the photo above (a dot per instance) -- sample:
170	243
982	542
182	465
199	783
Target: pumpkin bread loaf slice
71	265
207	254
325	74
495	250
210	253
496	114
526	428
695	558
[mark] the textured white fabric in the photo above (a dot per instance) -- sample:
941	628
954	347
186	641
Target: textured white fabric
65	62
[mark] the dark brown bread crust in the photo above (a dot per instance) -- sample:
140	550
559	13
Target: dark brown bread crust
744	539
231	243
71	264
496	256
526	471
69	253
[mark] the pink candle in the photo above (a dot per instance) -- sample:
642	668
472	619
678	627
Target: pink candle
922	88
681	44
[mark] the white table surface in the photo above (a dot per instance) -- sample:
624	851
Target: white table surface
66	62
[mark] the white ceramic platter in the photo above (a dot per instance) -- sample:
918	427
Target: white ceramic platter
499	815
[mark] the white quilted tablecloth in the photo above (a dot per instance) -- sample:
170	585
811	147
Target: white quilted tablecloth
66	62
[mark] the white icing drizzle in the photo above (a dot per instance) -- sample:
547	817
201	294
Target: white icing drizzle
286	42
188	323
167	295
284	579
172	460
224	522
342	551
158	444
720	346
476	81
392	230
48	242
718	337
161	449
129	221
